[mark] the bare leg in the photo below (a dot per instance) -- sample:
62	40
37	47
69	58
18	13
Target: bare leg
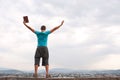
35	70
47	69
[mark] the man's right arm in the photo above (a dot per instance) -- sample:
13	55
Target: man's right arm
29	27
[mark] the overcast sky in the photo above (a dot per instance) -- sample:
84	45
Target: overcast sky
89	38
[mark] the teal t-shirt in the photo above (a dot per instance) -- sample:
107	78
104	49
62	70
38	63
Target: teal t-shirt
42	37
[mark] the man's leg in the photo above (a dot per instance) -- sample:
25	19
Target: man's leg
35	70
46	61
47	69
37	61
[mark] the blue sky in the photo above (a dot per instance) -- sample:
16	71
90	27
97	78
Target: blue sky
89	38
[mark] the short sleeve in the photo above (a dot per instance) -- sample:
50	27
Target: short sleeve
36	32
47	32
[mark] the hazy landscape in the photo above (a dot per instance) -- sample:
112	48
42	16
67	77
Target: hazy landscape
61	73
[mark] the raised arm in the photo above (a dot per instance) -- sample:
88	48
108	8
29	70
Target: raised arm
55	28
29	27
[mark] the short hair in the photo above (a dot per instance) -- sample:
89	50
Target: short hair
43	27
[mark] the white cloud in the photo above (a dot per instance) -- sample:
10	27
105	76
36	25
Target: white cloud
89	37
109	62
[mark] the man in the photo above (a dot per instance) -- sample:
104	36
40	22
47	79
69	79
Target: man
42	50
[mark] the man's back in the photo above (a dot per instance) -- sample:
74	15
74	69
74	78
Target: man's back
42	37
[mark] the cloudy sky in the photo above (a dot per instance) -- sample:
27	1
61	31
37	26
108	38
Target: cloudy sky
89	38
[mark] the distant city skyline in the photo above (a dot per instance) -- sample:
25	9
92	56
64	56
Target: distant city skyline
60	73
88	40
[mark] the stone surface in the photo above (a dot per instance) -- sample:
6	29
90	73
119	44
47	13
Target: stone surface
22	78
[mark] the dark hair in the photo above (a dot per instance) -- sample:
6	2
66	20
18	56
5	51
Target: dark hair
43	27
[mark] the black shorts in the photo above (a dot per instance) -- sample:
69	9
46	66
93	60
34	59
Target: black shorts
42	52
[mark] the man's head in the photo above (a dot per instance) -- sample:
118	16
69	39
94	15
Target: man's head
43	28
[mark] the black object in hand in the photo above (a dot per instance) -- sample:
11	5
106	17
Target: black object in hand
25	18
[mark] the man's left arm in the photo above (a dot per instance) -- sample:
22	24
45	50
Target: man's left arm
55	28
